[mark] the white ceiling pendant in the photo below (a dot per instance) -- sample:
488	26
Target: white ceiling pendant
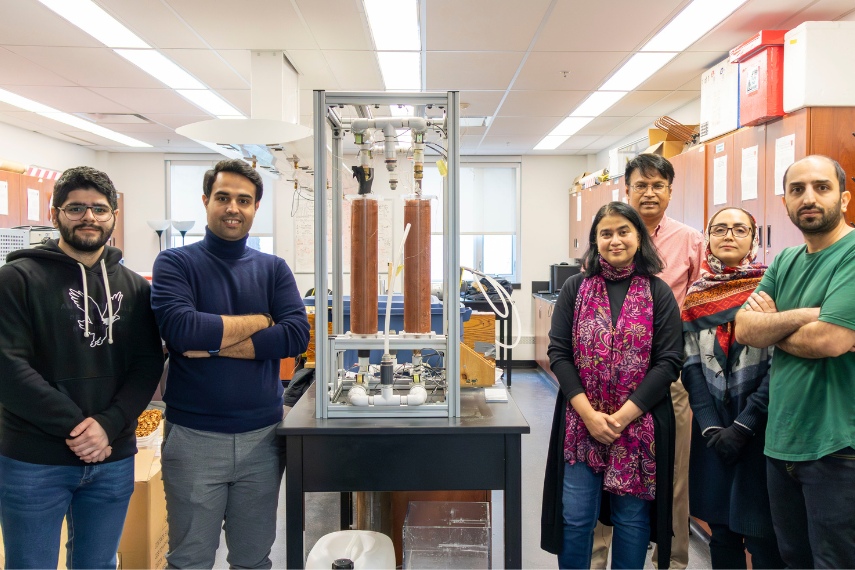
275	108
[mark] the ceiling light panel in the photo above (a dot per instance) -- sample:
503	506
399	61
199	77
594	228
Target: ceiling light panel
210	102
691	24
570	126
93	20
394	24
161	68
550	142
597	103
24	103
401	70
635	71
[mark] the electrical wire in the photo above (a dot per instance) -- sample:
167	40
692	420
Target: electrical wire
502	296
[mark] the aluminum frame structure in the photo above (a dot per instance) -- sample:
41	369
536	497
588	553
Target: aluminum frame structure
327	349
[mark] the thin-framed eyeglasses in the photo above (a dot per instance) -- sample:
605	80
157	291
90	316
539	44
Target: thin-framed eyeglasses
75	212
737	231
657	188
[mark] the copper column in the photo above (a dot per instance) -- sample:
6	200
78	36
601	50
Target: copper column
417	267
363	266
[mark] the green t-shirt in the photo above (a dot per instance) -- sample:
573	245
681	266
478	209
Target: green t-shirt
812	401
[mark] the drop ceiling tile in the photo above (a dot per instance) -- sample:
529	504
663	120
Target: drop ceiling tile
499	143
483	25
32	23
130	129
819	11
694	84
88	67
336	24
671	102
70	99
587	70
153	21
87	138
207	66
609	141
19	121
632	126
355	70
513	126
681	69
265	24
35	121
16	70
469	142
572	26
71	138
144	101
602	125
239	60
175	121
316	72
481	104
240	98
471	70
541	103
577	142
473	131
634	103
163	140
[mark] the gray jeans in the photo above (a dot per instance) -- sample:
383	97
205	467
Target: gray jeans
212	477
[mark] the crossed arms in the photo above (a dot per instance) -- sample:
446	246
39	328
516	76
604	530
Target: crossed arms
798	332
237	331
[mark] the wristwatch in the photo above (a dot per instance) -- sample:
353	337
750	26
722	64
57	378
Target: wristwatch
213	353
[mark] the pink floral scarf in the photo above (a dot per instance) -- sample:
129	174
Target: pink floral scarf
612	361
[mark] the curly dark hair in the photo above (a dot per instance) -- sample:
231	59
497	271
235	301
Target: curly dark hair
238	167
647	260
84	178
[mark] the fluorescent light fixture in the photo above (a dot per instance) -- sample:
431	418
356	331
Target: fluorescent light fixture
401	110
475	121
85	125
24	103
161	68
550	142
401	70
570	126
210	101
93	20
598	102
635	71
691	24
77	122
394	24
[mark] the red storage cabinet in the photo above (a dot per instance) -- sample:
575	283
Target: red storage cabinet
761	77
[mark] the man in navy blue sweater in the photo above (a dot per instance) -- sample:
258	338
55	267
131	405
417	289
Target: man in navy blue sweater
228	314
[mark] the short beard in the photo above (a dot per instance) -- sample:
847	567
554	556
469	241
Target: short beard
86	246
828	220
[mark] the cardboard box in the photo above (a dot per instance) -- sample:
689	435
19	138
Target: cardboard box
719	100
761	77
818	61
145	538
664	144
577	182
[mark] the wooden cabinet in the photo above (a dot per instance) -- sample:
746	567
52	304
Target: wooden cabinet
749	163
695	189
678	188
832	133
12	206
35	189
118	237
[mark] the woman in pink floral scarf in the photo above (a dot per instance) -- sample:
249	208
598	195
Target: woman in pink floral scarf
615	346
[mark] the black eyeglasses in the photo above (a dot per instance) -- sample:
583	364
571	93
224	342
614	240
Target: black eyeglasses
76	212
737	231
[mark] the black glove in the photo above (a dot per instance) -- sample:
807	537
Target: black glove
730	442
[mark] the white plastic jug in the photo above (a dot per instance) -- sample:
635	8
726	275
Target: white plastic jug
368	550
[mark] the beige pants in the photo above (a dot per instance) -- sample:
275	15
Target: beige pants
680	541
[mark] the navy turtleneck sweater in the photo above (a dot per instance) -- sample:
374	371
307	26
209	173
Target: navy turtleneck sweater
191	287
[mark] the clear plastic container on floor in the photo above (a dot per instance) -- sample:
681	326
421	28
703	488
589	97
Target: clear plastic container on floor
447	535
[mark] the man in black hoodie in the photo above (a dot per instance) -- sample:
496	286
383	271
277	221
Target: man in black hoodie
80	356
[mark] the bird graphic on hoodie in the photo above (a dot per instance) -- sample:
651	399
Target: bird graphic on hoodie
99	319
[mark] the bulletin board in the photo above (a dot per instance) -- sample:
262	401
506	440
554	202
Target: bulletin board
304	235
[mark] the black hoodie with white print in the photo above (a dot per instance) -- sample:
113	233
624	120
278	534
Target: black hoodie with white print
75	342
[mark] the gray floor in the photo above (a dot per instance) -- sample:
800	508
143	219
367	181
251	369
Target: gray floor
535	396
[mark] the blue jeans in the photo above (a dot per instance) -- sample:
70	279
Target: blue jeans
630	515
35	498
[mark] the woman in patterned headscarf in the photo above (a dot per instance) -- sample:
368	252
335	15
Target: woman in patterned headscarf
616	348
728	386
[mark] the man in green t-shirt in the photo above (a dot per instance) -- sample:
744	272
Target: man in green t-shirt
805	306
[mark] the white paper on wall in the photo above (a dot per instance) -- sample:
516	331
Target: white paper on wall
720	180
33	207
785	155
749	173
579	207
4	198
616	195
